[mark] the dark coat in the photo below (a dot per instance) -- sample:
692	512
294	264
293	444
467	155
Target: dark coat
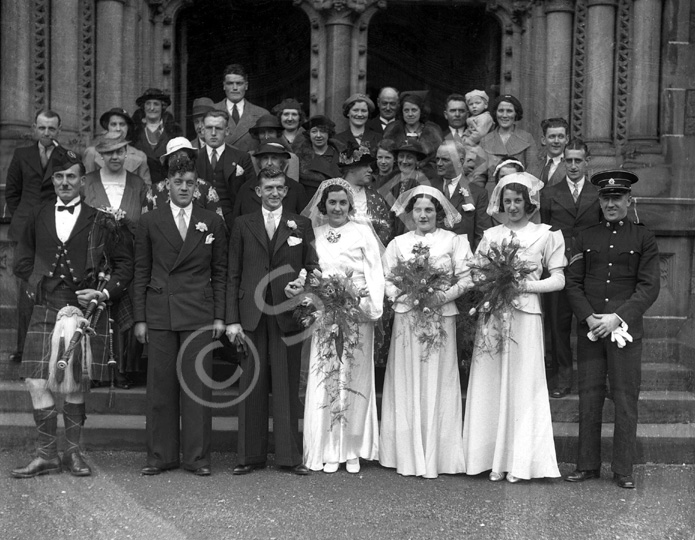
133	201
251	261
179	285
370	139
239	135
139	140
247	201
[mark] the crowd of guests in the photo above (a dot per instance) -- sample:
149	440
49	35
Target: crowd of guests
223	233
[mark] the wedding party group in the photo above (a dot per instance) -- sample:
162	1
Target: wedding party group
320	256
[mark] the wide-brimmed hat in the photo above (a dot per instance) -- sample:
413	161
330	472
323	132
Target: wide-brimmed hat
319	120
110	142
354	155
272	146
356	98
617	181
201	106
267	121
414	147
154	93
176	144
104	120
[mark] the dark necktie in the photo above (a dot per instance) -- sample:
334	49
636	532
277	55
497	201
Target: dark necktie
70	208
235	114
546	171
213	161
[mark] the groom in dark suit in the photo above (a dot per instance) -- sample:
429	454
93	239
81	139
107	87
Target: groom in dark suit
179	306
571	206
268	249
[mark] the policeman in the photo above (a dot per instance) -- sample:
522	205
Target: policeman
612	279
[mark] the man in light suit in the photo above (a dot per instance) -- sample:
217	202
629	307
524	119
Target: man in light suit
469	199
571	206
388	106
179	308
242	113
550	167
29	184
224	167
268	249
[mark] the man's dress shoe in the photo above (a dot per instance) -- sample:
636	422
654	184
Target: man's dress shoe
300	470
202	471
559	393
75	463
246	469
624	481
37	467
580	476
16	357
150	470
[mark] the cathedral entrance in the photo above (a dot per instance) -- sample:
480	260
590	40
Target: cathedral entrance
270	38
440	48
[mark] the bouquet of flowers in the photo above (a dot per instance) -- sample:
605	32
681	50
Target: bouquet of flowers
497	276
331	307
418	280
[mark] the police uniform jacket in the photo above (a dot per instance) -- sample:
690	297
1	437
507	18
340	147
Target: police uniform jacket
614	269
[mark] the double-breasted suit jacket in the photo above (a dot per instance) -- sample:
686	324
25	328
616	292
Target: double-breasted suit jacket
474	221
27	185
179	290
239	135
255	259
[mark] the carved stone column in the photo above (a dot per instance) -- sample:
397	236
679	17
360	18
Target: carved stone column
109	67
600	65
644	80
65	57
558	57
15	59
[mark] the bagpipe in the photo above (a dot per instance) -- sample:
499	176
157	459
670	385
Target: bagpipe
70	362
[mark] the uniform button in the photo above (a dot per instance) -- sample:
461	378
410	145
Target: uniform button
615	232
50	274
62	276
610	264
608	281
611	246
606	299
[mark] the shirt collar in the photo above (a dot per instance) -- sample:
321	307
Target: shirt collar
556	159
384	121
219	150
579	183
73	202
176	209
277	213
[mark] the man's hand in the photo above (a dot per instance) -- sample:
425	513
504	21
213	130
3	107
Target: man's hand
604	324
293	288
140	331
84	296
218	329
234	330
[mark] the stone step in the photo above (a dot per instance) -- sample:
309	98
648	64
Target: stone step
656	443
655	407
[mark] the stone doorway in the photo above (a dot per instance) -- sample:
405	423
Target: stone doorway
440	48
271	38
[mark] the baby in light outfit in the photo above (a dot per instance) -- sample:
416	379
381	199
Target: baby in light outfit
479	121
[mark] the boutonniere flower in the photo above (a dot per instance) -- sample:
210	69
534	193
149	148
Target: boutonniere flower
463	191
291	225
200	226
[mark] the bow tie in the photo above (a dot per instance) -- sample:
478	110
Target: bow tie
70	209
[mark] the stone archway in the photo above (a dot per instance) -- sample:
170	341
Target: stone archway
270	38
457	50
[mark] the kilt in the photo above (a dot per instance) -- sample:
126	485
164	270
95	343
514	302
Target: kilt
37	347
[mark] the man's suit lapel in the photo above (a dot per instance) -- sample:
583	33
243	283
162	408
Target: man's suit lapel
282	234
587	198
228	163
34	159
49	222
564	198
168	227
193	236
257	227
83	220
558	174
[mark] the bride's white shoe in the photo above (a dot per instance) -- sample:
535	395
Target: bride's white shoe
330	467
496	476
353	465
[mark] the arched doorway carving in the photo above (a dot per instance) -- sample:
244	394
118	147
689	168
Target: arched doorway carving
271	38
457	50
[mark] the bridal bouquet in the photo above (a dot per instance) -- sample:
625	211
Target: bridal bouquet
331	307
497	277
418	280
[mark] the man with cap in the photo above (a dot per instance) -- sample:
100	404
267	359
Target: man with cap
269	127
612	279
271	153
201	106
571	206
387	101
118	121
242	114
27	185
223	166
316	144
63	249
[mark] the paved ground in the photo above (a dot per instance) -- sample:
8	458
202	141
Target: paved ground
118	503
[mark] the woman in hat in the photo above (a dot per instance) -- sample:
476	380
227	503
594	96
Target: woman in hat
119	121
507	427
421	412
154	128
112	186
316	144
506	139
291	115
340	414
412	124
357	109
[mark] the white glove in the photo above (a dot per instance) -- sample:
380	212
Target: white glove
621	336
